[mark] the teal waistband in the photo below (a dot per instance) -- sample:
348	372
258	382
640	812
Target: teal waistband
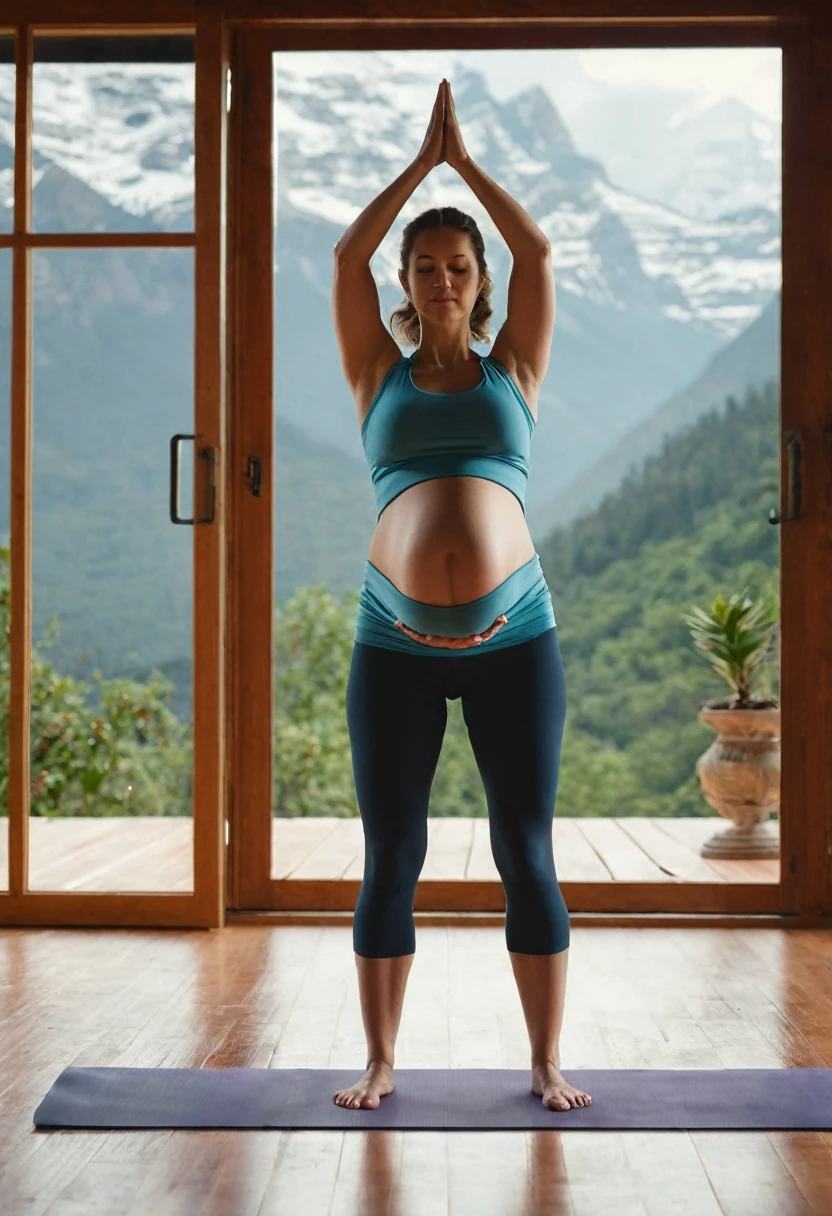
524	598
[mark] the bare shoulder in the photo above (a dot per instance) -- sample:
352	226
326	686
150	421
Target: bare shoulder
525	382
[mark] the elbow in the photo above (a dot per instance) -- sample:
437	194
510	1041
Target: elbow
540	248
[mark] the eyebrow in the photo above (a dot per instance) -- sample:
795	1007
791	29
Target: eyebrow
430	255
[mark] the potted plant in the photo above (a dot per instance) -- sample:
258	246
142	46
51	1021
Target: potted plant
740	772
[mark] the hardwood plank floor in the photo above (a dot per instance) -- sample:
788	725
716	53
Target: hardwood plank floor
288	996
155	854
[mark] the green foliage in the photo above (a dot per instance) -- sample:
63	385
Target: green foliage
702	515
737	634
312	763
131	756
727	455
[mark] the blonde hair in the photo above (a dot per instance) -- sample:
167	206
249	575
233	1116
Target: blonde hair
404	319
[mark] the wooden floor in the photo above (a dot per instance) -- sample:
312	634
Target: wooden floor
155	854
287	996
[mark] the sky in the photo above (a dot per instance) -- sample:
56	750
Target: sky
712	73
573	77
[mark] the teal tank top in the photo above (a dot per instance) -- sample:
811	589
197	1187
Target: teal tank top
410	435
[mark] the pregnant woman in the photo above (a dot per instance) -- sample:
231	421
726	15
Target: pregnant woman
454	603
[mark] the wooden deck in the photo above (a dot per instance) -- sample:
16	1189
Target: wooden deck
150	854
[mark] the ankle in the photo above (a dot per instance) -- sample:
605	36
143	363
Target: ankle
550	1059
379	1062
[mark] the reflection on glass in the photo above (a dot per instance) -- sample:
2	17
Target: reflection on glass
111	694
7	100
655	456
113	134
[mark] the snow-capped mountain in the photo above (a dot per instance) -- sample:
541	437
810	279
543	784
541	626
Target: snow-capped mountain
703	161
126	130
615	248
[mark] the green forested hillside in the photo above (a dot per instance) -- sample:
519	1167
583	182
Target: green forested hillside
752	358
692	523
728	455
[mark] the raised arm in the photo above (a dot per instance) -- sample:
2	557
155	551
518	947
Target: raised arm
516	226
362	336
525	339
369	229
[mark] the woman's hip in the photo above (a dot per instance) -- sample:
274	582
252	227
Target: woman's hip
524	598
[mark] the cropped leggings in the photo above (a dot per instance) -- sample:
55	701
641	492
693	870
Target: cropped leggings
514	706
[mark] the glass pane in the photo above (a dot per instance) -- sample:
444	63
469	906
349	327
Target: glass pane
5	581
655	175
111	718
113	134
7	98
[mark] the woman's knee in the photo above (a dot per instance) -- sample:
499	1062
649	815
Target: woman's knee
383	918
524	857
537	919
394	864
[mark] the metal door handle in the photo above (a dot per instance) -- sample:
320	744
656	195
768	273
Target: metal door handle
205	453
790	494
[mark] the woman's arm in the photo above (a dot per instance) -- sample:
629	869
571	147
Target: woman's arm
369	229
366	233
516	226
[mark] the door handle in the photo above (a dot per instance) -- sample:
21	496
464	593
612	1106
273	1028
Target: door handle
253	476
791	493
205	453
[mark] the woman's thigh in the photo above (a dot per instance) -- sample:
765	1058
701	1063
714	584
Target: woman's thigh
515	708
396	718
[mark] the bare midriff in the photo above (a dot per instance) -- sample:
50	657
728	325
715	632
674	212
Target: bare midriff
451	539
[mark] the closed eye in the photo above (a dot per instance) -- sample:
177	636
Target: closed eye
429	270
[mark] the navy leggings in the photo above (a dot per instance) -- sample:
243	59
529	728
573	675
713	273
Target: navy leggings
514	706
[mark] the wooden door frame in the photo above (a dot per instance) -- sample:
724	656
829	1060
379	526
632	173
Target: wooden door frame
205	905
803	894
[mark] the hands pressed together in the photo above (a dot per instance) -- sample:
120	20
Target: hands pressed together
443	139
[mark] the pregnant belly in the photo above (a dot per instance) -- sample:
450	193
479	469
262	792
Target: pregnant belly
451	539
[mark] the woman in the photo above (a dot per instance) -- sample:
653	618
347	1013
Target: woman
454	603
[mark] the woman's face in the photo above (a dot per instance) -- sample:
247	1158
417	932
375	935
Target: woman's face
443	267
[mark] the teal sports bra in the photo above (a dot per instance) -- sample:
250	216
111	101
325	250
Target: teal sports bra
411	435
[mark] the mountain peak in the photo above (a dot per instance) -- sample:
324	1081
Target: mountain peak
534	120
469	87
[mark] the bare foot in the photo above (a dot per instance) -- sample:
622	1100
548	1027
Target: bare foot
368	1092
557	1094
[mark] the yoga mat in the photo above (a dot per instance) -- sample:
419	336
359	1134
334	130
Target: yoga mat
439	1099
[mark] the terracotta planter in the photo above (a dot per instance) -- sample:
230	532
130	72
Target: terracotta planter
740	777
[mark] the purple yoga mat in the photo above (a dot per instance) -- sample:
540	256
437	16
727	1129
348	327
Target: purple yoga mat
440	1099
